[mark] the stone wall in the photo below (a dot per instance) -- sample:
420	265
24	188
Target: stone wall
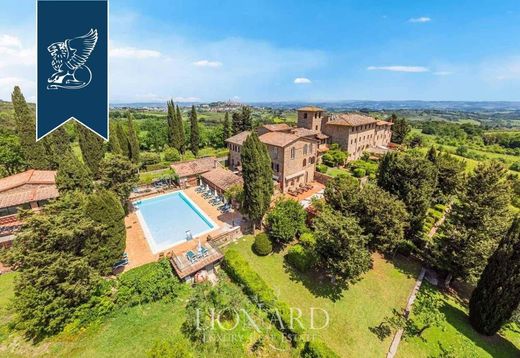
322	178
225	238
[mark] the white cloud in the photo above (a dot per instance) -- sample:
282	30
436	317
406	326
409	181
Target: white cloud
442	73
302	80
133	53
206	63
410	69
10	41
420	20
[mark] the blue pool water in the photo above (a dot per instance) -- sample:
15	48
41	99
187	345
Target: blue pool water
166	218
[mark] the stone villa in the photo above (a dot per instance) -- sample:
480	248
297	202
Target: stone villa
295	151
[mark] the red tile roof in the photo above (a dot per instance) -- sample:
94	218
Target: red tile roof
278	127
383	123
350	119
238	138
26	187
222	178
195	167
311	109
278	139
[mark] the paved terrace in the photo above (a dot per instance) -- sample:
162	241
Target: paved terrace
139	253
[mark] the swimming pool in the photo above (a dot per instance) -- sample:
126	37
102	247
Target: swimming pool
165	219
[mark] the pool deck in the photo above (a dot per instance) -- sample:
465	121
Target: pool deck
140	253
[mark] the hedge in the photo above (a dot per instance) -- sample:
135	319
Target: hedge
359	172
317	349
147	283
254	286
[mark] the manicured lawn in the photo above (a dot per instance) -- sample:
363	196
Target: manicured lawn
334	172
456	334
352	313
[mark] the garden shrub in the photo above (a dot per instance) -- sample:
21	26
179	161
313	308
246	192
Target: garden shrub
254	286
308	240
180	348
359	172
328	160
262	245
171	155
317	349
515	166
322	168
147	283
285	220
300	258
148	158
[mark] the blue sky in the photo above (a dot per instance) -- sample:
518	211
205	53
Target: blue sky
293	50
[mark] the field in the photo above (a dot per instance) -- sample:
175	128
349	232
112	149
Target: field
352	312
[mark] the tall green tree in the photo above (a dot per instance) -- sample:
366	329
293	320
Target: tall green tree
497	294
170	120
257	175
341	246
120	175
400	129
476	223
246	118
73	175
236	123
113	143
104	207
413	180
194	131
92	148
432	154
54	276
133	141
57	147
285	220
122	139
11	156
34	152
179	124
226	129
450	176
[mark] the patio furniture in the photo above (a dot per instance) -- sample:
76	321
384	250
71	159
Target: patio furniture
203	251
191	256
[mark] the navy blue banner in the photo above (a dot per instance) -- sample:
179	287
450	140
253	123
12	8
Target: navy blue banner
72	40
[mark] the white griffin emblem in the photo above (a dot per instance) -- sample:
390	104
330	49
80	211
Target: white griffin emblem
68	60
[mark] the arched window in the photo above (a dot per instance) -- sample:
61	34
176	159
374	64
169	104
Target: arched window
305	149
305	162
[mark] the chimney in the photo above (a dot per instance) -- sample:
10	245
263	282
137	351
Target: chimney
215	164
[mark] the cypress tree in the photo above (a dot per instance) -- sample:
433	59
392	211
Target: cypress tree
236	123
93	148
247	120
497	294
32	151
104	207
400	129
180	129
122	138
170	119
73	175
226	129
194	131
57	147
133	141
114	145
475	224
257	175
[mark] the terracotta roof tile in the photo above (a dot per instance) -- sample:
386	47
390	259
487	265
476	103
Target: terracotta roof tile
31	185
222	178
31	176
278	139
238	138
382	123
311	109
278	127
350	119
194	167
